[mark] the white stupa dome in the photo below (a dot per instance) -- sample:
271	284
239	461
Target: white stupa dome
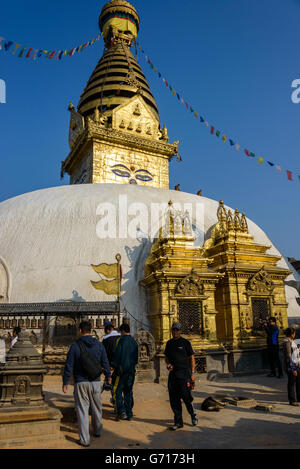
49	239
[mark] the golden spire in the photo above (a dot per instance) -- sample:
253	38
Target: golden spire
118	76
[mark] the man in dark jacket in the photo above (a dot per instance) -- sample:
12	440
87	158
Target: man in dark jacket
273	347
180	361
87	393
124	362
110	340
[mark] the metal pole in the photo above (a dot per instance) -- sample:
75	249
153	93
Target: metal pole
118	258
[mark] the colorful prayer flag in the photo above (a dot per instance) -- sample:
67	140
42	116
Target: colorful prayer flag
289	175
16	47
7	45
22	51
260	160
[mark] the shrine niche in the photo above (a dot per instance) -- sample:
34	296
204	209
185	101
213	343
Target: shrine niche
21	392
146	345
146	353
4	282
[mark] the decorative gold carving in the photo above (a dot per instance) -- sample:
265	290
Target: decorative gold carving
76	125
164	134
137	111
190	286
260	283
246	319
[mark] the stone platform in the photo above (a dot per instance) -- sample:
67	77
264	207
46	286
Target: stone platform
232	427
20	429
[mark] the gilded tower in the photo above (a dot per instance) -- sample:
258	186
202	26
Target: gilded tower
115	134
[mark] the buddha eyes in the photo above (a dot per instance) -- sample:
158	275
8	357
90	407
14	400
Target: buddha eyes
140	174
121	172
143	175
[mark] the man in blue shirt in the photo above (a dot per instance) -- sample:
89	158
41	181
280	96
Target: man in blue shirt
273	347
87	392
124	362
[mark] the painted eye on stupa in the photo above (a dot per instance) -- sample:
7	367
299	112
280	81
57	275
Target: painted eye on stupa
143	175
121	170
140	174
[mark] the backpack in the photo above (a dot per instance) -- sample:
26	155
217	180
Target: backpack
89	363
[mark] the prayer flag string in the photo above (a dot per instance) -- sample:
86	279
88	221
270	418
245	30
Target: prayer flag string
213	130
21	51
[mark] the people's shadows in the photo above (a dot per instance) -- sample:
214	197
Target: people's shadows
245	433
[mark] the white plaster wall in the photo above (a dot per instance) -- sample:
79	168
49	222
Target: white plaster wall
48	240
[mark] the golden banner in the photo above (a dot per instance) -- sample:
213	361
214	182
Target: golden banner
109	270
110	287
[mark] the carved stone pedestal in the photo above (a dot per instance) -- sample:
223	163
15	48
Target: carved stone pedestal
25	417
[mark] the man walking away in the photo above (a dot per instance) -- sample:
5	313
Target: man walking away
87	389
110	340
180	360
124	362
273	347
292	366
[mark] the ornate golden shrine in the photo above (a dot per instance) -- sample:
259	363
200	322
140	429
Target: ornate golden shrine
181	285
234	282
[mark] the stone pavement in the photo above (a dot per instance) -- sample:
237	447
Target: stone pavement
232	427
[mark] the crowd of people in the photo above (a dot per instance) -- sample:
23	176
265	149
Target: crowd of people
117	357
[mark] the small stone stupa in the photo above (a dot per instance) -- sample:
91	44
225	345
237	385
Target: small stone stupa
24	413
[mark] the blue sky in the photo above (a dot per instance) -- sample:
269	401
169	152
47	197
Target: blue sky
232	60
